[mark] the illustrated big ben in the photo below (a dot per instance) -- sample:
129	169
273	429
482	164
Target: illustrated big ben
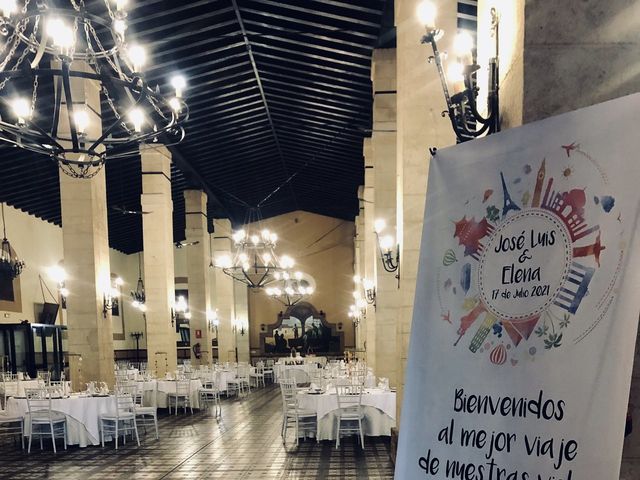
535	203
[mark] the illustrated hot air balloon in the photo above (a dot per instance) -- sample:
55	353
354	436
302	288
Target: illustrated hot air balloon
449	258
498	355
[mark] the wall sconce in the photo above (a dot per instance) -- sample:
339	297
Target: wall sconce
179	306
461	106
59	275
388	248
368	288
240	326
212	320
358	311
110	298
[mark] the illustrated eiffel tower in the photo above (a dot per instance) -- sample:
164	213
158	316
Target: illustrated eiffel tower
508	203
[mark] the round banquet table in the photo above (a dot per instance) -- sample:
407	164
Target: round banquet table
378	406
83	413
169	386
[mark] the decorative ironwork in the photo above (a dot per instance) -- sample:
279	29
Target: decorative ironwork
49	50
10	265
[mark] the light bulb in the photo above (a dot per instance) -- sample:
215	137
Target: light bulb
287	261
427	14
285	275
386	243
175	104
356	279
22	109
81	119
179	83
277	275
8	7
243	257
62	36
246	266
265	234
119	281
273	237
270	291
379	225
266	257
361	303
64	292
367	284
463	43
224	261
142	308
187	315
238	236
255	239
138	57
121	4
57	273
120	26
135	304
289	291
298	275
309	290
136	116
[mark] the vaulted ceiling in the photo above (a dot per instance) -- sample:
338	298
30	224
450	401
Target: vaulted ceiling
280	99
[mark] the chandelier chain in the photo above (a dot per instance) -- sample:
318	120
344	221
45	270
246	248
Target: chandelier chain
14	47
16	66
111	15
89	29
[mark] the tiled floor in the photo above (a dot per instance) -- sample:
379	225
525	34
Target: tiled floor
244	444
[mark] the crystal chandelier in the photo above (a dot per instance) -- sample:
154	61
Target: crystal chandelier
254	262
10	265
291	289
52	54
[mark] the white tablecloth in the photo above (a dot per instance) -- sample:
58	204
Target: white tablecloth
279	369
22	385
225	376
82	416
169	386
379	408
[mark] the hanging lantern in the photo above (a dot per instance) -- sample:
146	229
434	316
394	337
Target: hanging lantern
10	265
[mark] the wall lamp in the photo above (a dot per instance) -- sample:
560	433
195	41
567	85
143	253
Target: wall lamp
357	311
368	289
388	248
466	120
59	275
213	321
110	298
240	326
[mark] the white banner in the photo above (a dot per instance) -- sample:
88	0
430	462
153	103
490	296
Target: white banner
527	303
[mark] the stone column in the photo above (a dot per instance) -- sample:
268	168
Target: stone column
358	271
198	273
383	143
157	228
547	68
420	102
86	253
224	293
368	268
241	303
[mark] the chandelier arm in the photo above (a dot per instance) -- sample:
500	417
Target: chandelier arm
66	83
56	109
